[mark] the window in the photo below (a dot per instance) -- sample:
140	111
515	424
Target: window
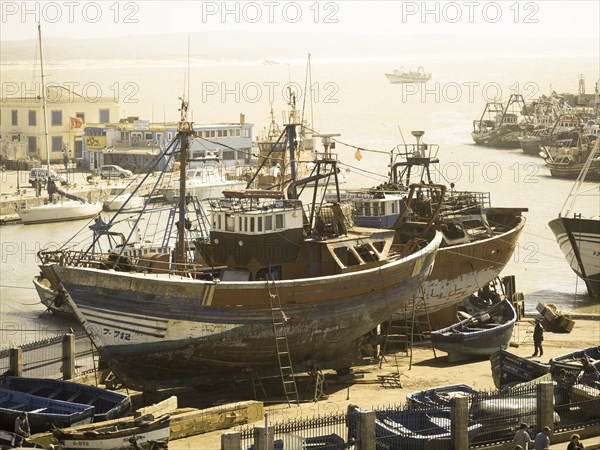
57	143
14	117
104	116
252	224
212	133
237	133
278	221
268	223
32	118
229	222
228	155
219	133
169	136
81	116
56	118
31	144
260	221
148	136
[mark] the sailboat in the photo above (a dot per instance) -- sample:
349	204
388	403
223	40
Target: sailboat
579	237
55	210
276	277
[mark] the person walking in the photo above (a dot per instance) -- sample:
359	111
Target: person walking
575	443
538	337
522	438
542	439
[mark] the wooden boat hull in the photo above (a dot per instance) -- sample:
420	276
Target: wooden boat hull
11	440
161	331
476	342
531	145
572	170
439	397
506	136
107	404
509	369
571	362
460	270
118	436
59	212
412	429
42	413
50	298
579	240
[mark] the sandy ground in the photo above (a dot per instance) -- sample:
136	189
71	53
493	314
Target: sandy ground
427	371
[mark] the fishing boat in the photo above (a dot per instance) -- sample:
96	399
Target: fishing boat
413	429
107	404
440	396
478	239
569	161
554	319
10	440
579	236
145	432
54	209
509	369
548	124
402	76
42	413
479	336
119	198
572	363
274	279
499	125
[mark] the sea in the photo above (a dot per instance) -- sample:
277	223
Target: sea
350	97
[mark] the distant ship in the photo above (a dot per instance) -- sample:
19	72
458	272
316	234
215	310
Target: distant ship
400	76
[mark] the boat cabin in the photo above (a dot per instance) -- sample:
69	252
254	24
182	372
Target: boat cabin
259	235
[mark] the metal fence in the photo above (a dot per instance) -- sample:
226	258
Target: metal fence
501	412
44	359
319	433
493	419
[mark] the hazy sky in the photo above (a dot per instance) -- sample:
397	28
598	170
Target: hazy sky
89	19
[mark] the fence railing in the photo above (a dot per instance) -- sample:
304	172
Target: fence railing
480	420
59	357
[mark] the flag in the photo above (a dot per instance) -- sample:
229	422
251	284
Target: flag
76	122
358	155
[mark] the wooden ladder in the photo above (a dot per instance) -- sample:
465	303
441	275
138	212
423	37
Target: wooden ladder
288	379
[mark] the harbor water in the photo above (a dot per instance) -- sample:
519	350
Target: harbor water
352	98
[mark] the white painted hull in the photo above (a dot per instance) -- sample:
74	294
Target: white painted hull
579	241
116	443
59	212
406	78
116	203
202	191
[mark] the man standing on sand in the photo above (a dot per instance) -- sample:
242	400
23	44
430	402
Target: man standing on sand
542	439
538	337
522	438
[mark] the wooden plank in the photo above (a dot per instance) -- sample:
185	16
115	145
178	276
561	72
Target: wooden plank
217	418
167	406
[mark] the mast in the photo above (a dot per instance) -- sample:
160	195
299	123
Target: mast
185	131
44	105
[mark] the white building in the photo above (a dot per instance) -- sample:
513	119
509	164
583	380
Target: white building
22	124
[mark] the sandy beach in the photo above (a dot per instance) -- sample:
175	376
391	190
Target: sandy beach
427	371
